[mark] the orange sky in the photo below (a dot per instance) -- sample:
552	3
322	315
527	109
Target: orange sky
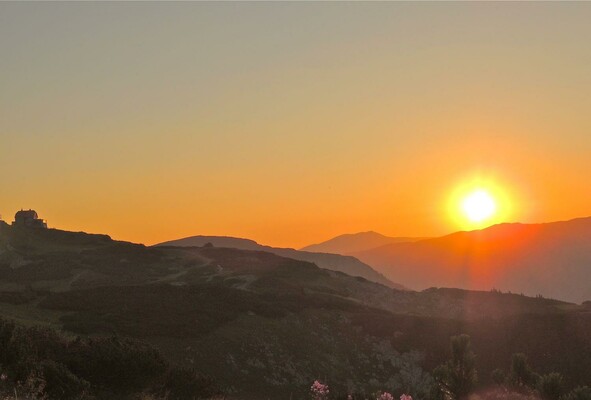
290	123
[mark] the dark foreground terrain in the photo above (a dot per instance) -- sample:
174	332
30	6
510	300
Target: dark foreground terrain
259	325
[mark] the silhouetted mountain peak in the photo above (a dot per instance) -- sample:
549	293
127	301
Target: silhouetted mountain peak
350	243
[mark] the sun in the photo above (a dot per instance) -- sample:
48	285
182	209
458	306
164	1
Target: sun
479	206
480	200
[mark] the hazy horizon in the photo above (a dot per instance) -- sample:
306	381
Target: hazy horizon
291	123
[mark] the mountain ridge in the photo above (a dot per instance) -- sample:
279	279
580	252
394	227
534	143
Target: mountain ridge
336	262
350	243
551	259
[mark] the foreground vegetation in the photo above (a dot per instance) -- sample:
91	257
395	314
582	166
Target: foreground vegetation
457	379
264	326
39	363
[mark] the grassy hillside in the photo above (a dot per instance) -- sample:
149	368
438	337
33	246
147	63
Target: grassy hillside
335	262
266	326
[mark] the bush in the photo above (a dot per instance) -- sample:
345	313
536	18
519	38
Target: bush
40	364
118	365
183	383
498	376
579	393
521	375
458	376
551	386
60	383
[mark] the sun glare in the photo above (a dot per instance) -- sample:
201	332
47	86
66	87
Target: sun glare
480	202
479	206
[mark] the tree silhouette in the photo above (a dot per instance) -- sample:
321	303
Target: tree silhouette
458	376
521	375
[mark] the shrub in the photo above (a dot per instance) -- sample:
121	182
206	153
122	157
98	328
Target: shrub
579	393
40	364
61	383
183	383
521	374
119	365
498	376
458	376
551	386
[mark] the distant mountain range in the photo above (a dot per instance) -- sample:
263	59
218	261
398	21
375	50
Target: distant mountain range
356	242
335	262
551	259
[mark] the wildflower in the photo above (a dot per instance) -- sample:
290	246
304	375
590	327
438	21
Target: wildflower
319	391
406	397
386	396
3	377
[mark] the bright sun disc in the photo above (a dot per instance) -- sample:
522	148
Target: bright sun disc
479	206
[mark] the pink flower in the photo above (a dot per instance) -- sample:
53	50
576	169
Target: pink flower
319	391
406	397
385	396
3	377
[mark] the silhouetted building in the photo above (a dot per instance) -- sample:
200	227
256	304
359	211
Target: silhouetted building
28	218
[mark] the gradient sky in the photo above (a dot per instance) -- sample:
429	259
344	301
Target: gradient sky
289	123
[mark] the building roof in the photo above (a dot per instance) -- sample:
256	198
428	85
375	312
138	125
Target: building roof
26	214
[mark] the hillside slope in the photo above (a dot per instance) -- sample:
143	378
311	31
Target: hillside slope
265	326
552	259
347	264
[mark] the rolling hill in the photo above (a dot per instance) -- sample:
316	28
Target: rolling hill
355	242
335	262
266	326
551	259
